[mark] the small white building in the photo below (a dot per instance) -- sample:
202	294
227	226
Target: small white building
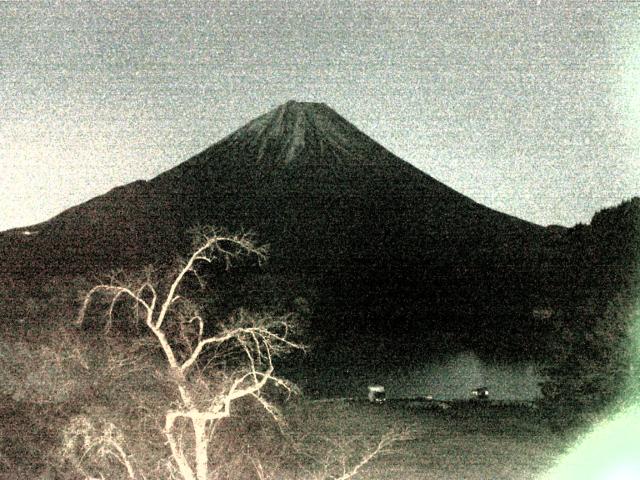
376	394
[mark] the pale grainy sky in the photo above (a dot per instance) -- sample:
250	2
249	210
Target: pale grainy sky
532	108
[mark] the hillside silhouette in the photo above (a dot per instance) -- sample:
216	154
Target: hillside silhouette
383	250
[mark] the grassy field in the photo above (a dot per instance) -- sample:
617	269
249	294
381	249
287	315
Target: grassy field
463	442
466	441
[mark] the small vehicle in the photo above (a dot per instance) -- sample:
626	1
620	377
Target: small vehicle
480	393
376	394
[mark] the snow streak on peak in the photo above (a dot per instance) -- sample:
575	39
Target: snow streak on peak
295	130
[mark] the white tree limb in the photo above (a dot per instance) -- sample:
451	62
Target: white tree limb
259	337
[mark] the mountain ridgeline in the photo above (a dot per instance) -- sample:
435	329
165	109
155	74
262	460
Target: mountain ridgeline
382	250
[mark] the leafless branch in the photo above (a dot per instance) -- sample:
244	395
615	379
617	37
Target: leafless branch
179	329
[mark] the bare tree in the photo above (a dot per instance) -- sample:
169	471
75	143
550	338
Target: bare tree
178	327
336	458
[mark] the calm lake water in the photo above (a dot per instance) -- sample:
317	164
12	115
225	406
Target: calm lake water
449	378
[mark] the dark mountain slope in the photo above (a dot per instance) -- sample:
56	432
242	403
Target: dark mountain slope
392	250
302	174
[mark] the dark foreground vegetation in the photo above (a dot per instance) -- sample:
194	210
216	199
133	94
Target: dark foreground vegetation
466	441
69	396
103	382
139	385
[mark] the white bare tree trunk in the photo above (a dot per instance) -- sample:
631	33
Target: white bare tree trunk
258	338
202	447
176	451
